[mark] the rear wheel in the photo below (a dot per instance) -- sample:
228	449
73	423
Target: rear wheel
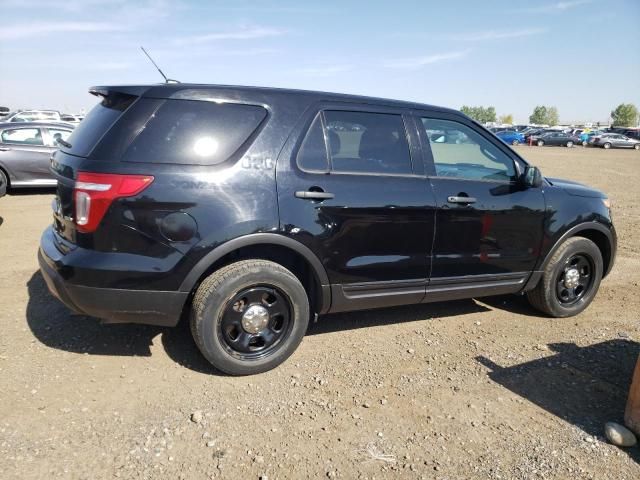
585	143
540	143
515	142
607	145
4	183
249	317
570	280
637	146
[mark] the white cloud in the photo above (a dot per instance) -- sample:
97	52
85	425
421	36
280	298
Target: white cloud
37	29
252	33
498	35
417	62
323	71
558	6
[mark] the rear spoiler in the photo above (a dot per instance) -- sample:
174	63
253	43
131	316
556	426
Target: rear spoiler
135	90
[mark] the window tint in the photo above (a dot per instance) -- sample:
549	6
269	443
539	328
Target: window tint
22	136
461	152
55	133
367	142
194	132
313	151
97	122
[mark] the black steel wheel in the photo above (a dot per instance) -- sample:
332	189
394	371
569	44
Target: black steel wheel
570	279
575	279
249	316
255	321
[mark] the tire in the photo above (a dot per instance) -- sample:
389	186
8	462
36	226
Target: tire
220	303
585	143
540	143
637	146
607	146
515	142
4	184
569	144
546	296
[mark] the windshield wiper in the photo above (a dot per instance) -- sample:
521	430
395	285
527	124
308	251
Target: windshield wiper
64	143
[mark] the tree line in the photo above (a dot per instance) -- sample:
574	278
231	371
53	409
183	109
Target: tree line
624	115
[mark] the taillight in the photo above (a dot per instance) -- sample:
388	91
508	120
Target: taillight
94	192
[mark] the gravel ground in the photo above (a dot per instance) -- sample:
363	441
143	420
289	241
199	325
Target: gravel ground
469	389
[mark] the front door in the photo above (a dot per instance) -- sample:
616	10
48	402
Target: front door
353	190
489	226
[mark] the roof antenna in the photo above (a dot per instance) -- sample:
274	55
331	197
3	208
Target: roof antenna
167	80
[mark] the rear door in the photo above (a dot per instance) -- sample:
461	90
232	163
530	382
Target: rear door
25	154
489	227
351	187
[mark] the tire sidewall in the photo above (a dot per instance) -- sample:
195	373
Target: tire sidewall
584	246
210	342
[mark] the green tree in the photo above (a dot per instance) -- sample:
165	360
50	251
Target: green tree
625	115
544	115
480	114
539	115
508	119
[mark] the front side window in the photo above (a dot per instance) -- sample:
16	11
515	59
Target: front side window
364	142
461	152
22	136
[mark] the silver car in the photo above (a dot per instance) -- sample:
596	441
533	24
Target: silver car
25	149
614	140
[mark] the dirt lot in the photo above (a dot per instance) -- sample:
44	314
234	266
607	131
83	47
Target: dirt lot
470	389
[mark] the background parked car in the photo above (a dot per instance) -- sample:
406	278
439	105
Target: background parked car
557	138
534	134
585	136
25	149
69	118
34	116
511	137
614	140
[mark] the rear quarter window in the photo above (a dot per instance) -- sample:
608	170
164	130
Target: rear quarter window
192	131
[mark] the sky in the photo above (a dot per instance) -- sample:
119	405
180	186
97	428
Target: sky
582	56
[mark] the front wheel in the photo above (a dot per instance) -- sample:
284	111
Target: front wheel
515	142
607	145
249	316
540	143
637	146
570	280
569	144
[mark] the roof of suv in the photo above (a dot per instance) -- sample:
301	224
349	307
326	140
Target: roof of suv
193	91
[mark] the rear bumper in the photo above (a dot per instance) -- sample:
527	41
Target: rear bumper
109	304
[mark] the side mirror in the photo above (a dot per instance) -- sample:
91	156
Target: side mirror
532	177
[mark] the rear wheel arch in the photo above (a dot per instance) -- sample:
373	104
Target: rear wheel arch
289	253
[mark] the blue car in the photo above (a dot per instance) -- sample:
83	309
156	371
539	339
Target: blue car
511	137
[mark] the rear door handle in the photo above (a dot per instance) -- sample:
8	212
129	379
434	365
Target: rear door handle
455	199
312	195
4	149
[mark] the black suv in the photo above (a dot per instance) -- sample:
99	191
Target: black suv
253	210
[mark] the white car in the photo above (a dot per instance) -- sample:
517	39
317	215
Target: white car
34	116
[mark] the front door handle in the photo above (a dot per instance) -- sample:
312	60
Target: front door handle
4	149
313	195
457	199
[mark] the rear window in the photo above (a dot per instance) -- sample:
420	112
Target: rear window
97	122
192	131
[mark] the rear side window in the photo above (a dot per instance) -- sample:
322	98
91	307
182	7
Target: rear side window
313	151
97	123
193	132
357	142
